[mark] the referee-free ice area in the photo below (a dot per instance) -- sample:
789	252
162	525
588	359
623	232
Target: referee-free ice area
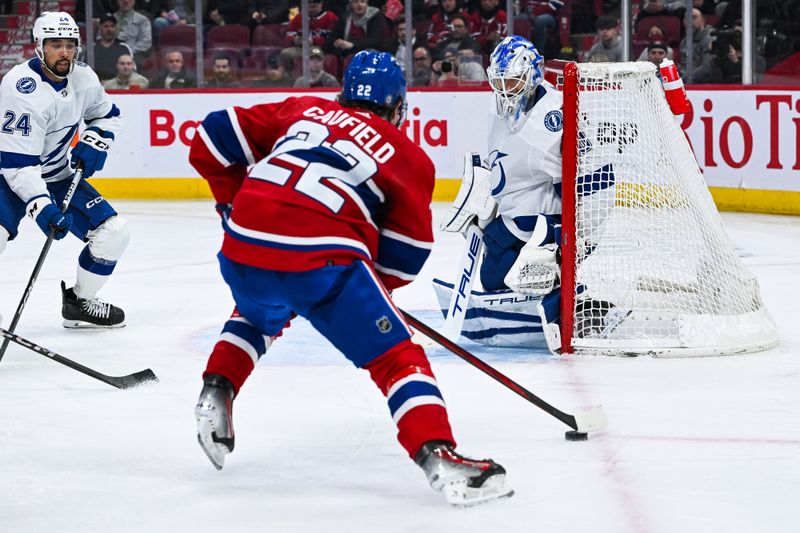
700	445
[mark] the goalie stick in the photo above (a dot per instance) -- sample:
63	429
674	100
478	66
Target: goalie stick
462	288
584	422
39	262
120	382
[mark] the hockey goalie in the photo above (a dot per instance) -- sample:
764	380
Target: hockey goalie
513	199
638	262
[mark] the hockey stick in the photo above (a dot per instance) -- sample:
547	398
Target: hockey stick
35	274
583	422
467	271
120	382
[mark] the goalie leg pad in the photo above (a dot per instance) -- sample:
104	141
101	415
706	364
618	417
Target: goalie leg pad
549	310
497	318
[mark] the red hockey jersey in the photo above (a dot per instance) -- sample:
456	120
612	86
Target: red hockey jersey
319	27
328	185
481	28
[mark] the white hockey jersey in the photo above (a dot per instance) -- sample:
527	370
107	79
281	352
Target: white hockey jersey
40	119
526	165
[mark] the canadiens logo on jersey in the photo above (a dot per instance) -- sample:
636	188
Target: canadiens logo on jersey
26	85
553	120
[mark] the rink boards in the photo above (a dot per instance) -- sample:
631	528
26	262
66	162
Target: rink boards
745	140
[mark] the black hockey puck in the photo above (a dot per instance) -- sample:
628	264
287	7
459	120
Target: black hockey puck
576	435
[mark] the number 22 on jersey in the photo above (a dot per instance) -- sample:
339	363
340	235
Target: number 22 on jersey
342	164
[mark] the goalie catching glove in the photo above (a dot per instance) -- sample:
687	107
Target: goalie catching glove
536	270
474	202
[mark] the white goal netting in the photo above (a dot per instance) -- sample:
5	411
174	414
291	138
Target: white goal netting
654	270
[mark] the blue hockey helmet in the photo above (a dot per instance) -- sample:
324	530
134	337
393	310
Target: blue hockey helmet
374	77
515	70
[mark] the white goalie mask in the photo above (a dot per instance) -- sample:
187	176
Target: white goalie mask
515	70
55	25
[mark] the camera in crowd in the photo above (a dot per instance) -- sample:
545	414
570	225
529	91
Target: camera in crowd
447	66
724	40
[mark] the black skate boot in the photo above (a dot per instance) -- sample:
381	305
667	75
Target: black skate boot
215	419
464	482
94	313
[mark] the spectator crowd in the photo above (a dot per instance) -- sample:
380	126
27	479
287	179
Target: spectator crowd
144	44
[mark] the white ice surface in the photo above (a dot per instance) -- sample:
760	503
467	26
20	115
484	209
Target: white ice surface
694	446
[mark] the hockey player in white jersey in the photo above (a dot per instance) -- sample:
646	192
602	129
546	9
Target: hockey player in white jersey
44	103
523	170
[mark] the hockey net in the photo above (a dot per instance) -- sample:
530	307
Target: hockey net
647	267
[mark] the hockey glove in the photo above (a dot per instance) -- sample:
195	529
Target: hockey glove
474	202
535	271
224	211
49	217
92	150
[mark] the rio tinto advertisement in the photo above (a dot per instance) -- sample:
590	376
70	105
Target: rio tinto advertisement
746	138
742	138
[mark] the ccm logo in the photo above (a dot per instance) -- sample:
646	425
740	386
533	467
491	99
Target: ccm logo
96	141
93	202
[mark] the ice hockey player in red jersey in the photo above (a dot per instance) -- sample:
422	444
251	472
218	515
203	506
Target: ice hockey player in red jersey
333	215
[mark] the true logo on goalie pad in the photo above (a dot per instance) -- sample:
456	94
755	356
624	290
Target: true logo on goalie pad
467	274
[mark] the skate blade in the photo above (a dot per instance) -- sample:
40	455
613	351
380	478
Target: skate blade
80	324
460	495
215	451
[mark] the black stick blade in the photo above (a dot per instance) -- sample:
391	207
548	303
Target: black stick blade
133	380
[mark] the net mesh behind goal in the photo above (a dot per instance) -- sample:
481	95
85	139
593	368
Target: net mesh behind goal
647	266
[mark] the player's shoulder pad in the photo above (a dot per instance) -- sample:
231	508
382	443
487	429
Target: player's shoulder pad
21	80
547	111
83	76
21	89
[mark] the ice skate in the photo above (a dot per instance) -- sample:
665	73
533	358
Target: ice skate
215	419
464	482
94	313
